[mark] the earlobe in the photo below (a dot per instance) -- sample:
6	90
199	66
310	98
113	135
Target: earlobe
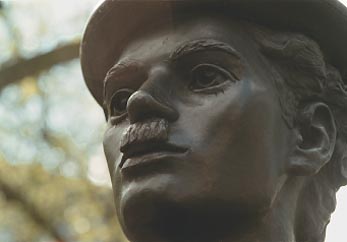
316	135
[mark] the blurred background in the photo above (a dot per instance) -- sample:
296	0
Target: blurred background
54	182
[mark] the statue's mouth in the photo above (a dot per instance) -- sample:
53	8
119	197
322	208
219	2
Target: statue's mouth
144	152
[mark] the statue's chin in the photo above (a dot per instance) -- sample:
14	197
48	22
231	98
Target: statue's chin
171	204
147	216
153	216
151	204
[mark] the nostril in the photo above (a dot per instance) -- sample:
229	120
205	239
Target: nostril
142	105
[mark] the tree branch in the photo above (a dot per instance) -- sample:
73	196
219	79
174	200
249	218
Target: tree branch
17	70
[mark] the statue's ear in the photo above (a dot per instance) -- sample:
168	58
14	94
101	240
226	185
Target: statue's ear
316	136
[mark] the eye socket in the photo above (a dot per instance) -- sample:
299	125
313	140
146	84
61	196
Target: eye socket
206	76
119	101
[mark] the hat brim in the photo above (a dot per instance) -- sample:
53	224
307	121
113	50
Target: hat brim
115	22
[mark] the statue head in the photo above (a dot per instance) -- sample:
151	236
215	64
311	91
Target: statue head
226	120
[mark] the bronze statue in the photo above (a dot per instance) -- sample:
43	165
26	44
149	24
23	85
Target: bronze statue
227	120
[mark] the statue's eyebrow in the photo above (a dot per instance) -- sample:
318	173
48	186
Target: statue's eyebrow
202	45
187	48
122	68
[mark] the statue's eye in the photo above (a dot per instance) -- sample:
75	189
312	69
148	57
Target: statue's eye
119	101
206	76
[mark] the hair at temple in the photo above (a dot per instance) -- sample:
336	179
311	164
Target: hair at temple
302	76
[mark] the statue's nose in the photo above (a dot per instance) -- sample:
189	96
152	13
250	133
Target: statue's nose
142	105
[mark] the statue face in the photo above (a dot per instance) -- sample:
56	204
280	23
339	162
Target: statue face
202	128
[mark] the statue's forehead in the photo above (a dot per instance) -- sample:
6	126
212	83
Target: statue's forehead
163	41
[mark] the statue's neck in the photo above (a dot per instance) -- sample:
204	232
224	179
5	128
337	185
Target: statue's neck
278	224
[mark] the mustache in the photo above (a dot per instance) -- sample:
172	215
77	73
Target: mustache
152	130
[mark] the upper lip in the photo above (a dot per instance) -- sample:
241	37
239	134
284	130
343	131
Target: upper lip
141	149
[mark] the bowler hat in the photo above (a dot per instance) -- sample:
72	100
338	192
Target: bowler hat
115	22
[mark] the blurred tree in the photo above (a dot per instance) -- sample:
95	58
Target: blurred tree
16	70
51	134
38	206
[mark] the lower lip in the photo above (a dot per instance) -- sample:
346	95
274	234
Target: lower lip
150	158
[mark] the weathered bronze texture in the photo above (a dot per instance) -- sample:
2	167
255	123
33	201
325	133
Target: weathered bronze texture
227	120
